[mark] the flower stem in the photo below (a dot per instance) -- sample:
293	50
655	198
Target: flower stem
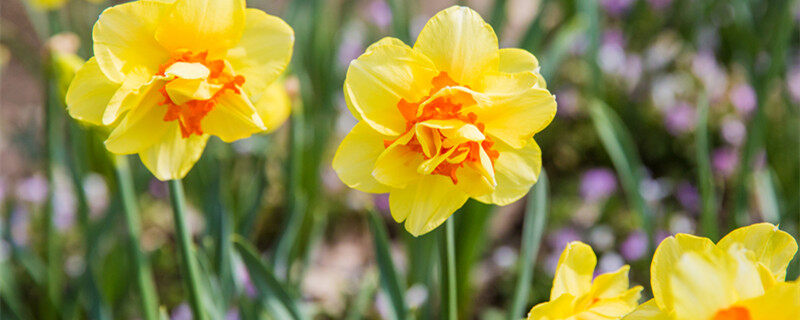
144	276
189	264
447	248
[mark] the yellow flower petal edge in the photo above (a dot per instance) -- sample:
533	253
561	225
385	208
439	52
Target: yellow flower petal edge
740	277
576	296
450	118
167	75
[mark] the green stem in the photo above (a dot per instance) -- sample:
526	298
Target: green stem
448	264
189	264
144	276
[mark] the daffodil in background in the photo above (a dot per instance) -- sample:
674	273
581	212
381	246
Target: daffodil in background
739	278
450	118
576	296
167	75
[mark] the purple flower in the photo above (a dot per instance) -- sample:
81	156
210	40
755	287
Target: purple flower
232	314
380	13
680	119
559	239
688	196
733	131
157	189
381	202
793	82
19	224
181	312
243	277
351	47
743	98
616	8
32	189
714	78
597	184
660	236
634	246
567	101
725	161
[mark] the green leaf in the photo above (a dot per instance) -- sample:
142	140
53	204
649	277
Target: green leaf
708	215
272	295
535	220
620	147
390	282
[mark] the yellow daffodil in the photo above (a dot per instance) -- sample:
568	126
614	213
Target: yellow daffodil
168	74
575	296
450	118
739	278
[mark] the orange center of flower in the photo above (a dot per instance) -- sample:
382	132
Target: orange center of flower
190	114
733	313
448	107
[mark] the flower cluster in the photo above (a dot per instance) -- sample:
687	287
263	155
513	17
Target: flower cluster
741	277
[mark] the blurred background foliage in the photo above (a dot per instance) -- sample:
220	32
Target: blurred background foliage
673	116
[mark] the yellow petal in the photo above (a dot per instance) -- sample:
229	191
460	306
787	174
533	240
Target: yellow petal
558	308
397	165
125	97
574	271
143	126
473	181
664	259
700	285
274	106
188	70
233	117
610	285
199	25
747	279
771	246
515	171
517	109
123	39
647	311
426	204
263	52
173	156
89	93
380	78
385	41
355	158
182	90
513	60
613	308
781	302
460	43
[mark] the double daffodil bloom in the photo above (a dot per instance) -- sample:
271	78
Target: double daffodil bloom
168	74
575	296
739	278
451	118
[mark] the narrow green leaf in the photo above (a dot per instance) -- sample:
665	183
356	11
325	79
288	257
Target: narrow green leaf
390	282
535	220
620	147
708	215
273	296
471	226
564	38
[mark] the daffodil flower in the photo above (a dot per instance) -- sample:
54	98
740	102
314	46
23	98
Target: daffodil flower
576	296
168	74
450	118
739	278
